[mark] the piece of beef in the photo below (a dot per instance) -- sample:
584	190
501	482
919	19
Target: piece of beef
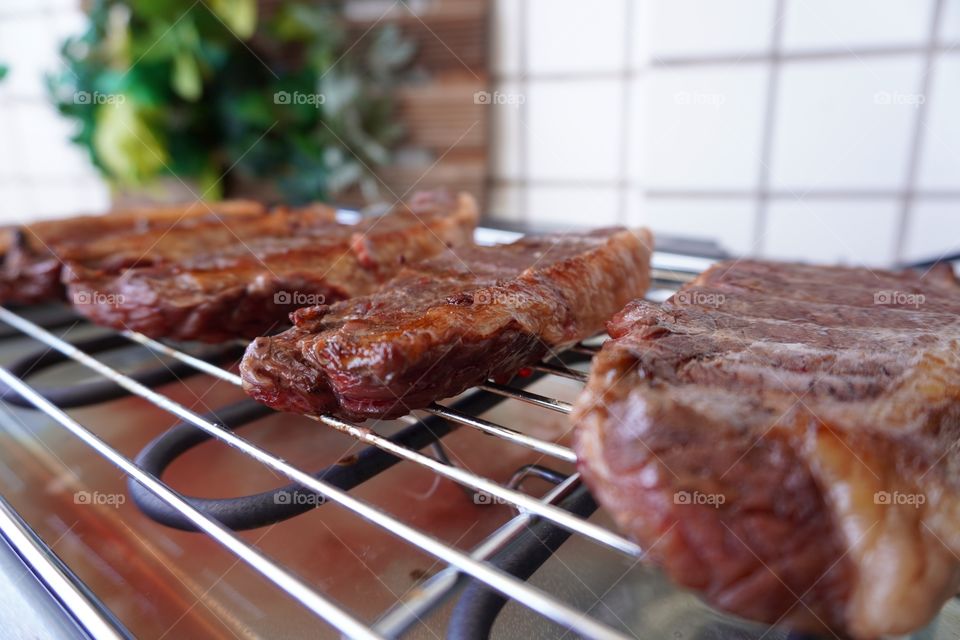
189	239
783	439
249	286
34	254
447	324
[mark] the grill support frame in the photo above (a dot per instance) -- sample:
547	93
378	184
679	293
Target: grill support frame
460	565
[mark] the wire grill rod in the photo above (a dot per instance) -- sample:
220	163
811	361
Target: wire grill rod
473	481
513	588
336	616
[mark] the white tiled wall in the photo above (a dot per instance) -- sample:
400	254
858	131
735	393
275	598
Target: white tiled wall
793	128
704	126
570	121
705	27
829	230
940	163
832	129
851	24
788	128
41	173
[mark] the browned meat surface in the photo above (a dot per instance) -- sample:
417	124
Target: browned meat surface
782	438
34	254
247	287
447	324
189	238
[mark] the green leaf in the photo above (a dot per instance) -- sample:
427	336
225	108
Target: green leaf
345	176
116	41
298	21
125	145
198	100
3	71
186	79
210	184
390	50
339	91
240	16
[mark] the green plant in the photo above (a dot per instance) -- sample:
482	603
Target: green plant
208	91
3	70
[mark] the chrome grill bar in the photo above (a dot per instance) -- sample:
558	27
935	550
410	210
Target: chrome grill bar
439	585
479	483
560	370
53	576
669	271
520	500
197	363
511	587
333	614
527	396
536	444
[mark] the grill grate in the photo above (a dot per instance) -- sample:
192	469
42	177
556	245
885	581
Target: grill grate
553	510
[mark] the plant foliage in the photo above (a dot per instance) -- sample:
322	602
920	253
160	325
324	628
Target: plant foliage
211	92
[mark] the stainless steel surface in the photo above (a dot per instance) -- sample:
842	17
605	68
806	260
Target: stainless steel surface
510	435
286	581
595	586
39	598
506	584
439	586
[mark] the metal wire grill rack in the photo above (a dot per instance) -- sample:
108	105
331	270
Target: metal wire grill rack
556	509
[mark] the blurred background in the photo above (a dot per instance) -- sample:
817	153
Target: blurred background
805	129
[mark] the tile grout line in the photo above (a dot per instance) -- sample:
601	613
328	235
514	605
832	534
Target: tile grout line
746	59
746	194
523	86
909	195
766	135
493	121
626	103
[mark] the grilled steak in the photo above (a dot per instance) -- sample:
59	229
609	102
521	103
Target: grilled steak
248	287
783	439
34	254
447	324
189	238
